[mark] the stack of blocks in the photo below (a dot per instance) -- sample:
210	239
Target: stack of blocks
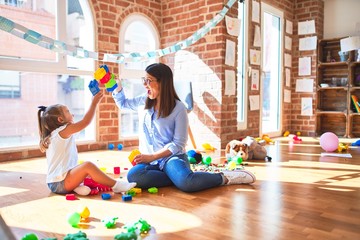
104	76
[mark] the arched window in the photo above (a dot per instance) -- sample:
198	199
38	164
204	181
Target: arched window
137	34
31	75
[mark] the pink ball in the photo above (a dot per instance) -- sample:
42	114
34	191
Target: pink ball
329	141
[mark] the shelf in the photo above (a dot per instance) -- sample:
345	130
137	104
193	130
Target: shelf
332	99
331	122
354	122
335	82
320	112
330	64
355	74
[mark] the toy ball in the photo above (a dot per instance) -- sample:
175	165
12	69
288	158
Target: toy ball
74	219
192	160
194	154
111	146
30	236
206	160
329	141
237	160
120	146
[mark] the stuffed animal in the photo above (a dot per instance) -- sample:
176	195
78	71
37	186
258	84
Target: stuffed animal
255	149
236	148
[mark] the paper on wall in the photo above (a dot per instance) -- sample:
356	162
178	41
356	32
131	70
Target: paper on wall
255	79
304	66
306	107
255	57
233	25
230	53
287	60
307	43
289	27
255	11
304	85
257	36
230	82
254	102
288	43
287	96
306	27
287	77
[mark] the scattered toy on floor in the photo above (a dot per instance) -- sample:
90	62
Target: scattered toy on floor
267	139
126	197
342	147
329	142
110	222
194	156
208	147
74	219
236	148
76	236
356	143
153	190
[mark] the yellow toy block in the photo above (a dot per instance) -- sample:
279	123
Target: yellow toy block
132	155
99	73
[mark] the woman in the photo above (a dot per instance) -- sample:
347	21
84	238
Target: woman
163	123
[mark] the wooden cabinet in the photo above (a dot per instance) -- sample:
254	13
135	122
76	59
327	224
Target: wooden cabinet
337	79
354	89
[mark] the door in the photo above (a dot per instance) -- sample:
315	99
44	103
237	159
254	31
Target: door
271	74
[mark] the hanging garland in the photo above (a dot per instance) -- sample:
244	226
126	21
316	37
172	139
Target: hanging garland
57	46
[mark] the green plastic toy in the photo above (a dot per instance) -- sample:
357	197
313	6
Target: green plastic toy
30	236
206	160
74	219
153	190
126	236
76	236
110	222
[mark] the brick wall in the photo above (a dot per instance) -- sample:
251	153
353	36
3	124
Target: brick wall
305	10
213	119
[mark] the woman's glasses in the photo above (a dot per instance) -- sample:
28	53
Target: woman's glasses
146	81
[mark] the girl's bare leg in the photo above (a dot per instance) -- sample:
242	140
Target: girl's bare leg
77	175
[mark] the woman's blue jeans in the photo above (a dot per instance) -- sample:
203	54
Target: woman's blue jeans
176	171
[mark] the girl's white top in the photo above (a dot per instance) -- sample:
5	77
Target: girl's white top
62	155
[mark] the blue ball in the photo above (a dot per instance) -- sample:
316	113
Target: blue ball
120	146
111	146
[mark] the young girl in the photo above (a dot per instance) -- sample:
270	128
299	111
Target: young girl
64	175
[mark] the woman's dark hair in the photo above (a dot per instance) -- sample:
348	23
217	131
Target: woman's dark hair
168	96
48	122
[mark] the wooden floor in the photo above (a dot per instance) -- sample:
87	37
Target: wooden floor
299	195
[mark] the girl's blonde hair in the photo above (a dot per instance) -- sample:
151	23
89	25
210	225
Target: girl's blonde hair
48	119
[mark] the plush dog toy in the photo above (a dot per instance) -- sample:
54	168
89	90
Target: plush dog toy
248	148
236	148
256	150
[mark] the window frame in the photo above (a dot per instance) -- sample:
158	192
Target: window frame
131	73
241	125
59	66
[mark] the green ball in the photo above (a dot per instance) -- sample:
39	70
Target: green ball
74	219
30	236
206	160
192	160
238	160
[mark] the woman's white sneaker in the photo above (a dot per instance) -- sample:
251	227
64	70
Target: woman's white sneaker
239	177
